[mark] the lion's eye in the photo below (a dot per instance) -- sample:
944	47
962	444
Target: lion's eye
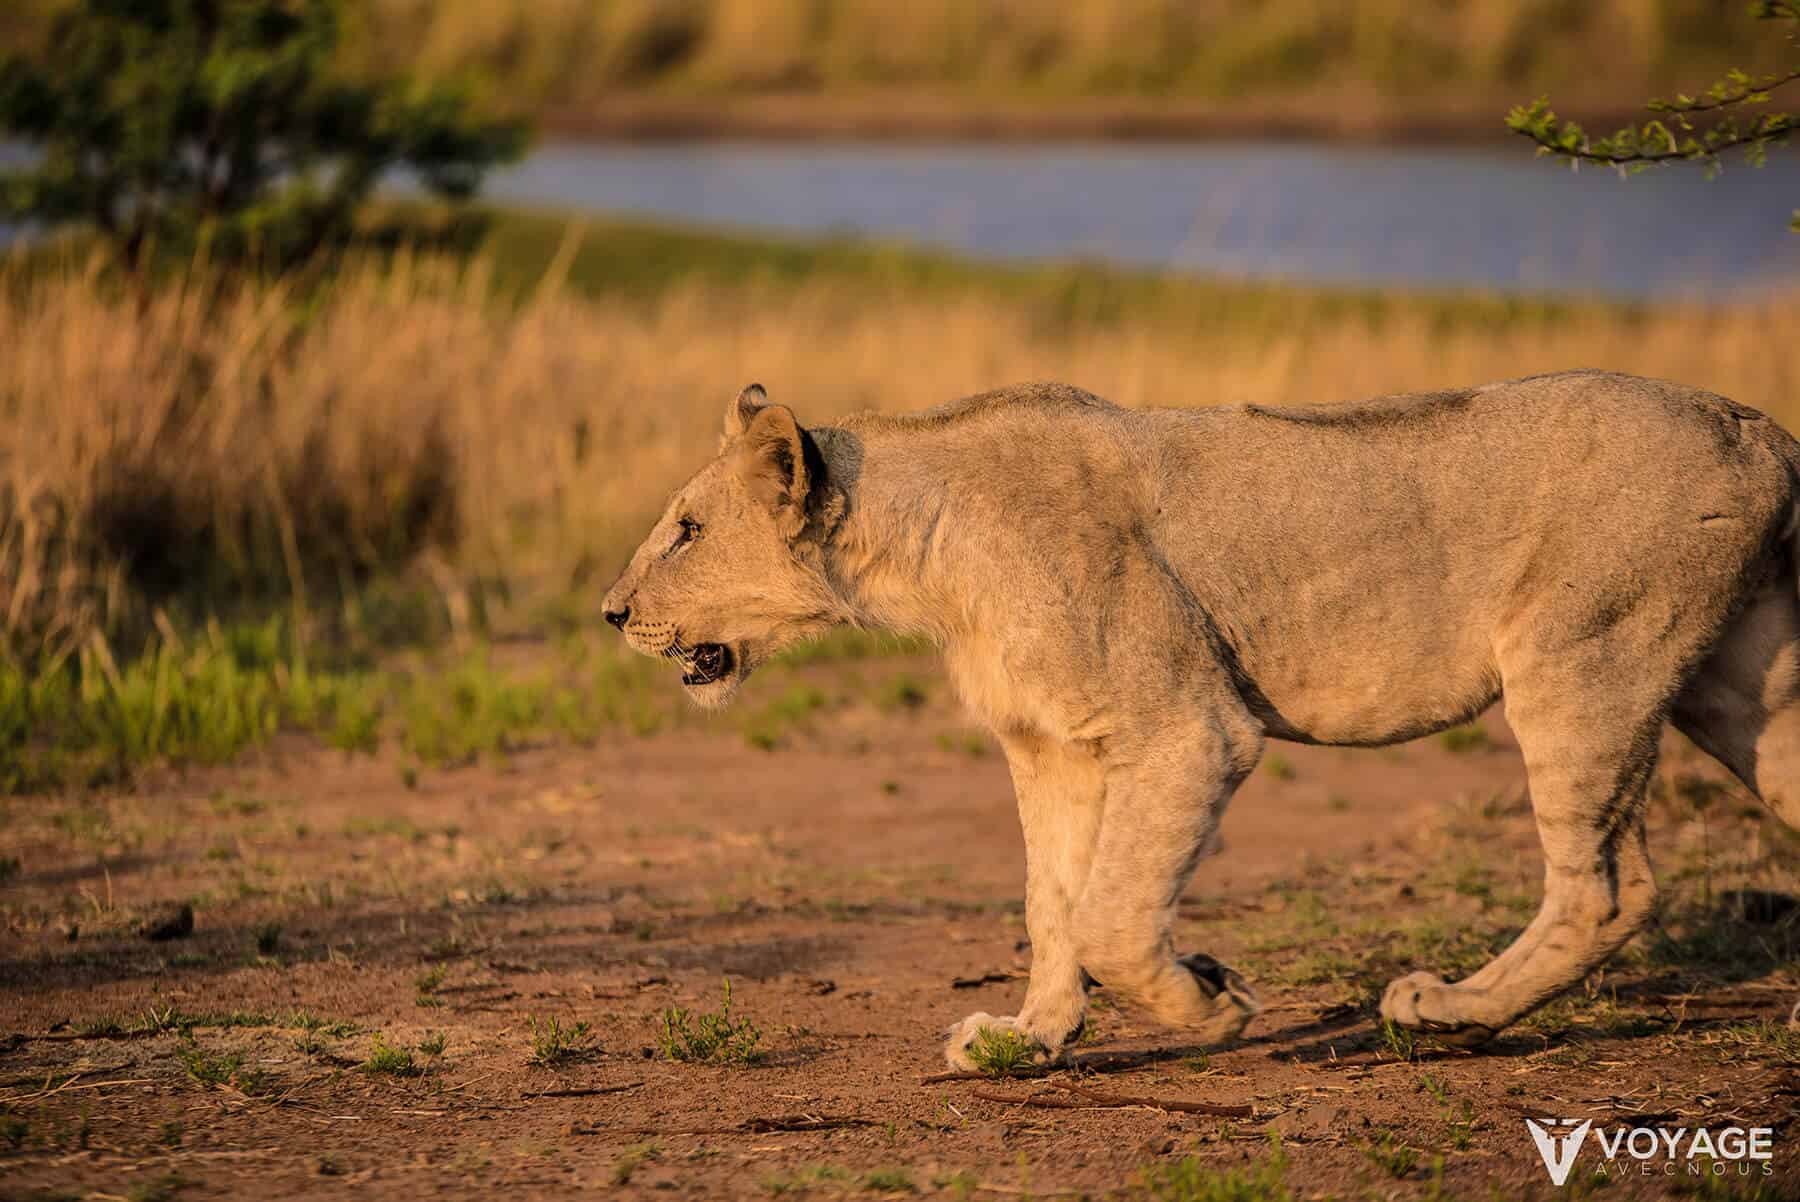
690	530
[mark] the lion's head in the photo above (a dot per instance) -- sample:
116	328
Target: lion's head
730	573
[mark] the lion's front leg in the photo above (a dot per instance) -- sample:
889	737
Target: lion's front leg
1164	801
1061	795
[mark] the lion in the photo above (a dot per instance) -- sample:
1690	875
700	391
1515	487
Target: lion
1135	601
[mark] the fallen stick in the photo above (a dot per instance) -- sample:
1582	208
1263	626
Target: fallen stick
1088	1099
977	1075
1114	1063
986	978
32	1097
41	1080
756	1126
803	1122
589	1091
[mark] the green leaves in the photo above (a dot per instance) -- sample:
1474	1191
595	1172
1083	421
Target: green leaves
1656	142
224	124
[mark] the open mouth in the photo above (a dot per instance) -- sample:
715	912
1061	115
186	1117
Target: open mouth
707	663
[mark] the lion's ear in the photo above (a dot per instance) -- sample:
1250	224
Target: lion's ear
781	465
742	411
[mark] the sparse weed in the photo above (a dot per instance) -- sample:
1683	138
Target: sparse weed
1471	736
961	1184
1391	1155
766	727
1001	1051
390	1060
314	1024
901	691
716	1038
426	984
553	1044
225	1069
888	1181
1400	1042
811	1177
162	1188
1278	766
1192	1179
631	1158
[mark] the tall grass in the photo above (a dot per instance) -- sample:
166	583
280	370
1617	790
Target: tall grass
1478	55
570	51
209	446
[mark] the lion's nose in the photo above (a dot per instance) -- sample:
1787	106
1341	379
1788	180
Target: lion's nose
617	617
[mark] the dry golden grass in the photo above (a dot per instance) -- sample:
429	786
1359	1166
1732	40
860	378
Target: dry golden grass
577	56
569	50
210	443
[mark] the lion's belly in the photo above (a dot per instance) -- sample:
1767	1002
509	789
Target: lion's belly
1360	700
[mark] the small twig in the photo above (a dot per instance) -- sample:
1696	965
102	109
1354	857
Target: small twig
756	1126
42	1079
70	1085
589	1091
1118	1062
997	977
977	1075
803	1122
1094	1100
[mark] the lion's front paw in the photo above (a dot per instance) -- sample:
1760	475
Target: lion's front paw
1421	1001
994	1044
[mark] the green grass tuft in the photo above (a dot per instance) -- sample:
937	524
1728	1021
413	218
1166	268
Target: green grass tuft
222	1070
716	1038
1191	1179
1391	1155
1001	1051
553	1044
631	1158
390	1060
888	1181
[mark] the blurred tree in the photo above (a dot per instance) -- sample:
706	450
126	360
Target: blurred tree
222	125
1697	129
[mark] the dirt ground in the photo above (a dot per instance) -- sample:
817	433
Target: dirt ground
860	887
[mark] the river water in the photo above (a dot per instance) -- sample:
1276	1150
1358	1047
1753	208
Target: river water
1441	216
1491	217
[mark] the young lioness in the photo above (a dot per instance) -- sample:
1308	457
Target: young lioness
1135	600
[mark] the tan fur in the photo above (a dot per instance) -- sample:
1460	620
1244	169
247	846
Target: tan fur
1135	600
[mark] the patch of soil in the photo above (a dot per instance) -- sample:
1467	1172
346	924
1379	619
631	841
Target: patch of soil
860	887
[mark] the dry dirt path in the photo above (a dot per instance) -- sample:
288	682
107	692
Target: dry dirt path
860	888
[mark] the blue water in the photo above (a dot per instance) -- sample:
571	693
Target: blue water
1491	217
1494	217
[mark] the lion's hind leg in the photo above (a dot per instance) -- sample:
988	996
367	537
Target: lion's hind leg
1743	706
1589	752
